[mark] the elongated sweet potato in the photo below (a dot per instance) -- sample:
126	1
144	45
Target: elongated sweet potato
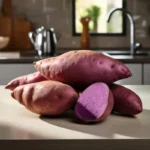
30	78
95	103
126	101
46	97
82	68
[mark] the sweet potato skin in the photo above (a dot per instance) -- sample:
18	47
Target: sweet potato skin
126	102
95	103
82	68
46	97
30	78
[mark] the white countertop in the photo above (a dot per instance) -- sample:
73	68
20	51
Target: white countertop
16	122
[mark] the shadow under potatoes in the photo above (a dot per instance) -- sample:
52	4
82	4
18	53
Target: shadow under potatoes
115	124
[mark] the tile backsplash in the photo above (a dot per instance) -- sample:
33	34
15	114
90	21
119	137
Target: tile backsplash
58	14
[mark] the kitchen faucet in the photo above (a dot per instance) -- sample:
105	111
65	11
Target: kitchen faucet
133	46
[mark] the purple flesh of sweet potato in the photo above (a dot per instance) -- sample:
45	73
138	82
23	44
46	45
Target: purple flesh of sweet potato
95	103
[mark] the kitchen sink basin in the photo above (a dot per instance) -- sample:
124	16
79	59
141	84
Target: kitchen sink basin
128	54
125	53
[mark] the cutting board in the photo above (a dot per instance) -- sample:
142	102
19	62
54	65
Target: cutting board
5	25
16	27
21	28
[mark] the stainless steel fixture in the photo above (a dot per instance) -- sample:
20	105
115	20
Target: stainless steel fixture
44	41
133	46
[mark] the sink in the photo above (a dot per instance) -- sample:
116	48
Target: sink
128	53
125	53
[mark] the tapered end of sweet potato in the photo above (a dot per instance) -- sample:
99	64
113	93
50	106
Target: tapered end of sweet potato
12	84
128	74
124	71
137	105
139	108
9	87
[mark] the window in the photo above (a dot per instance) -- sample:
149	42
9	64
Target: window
97	10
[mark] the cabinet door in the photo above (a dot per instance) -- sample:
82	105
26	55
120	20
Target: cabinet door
136	79
146	74
11	71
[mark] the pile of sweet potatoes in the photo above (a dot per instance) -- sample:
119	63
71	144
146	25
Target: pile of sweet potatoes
82	80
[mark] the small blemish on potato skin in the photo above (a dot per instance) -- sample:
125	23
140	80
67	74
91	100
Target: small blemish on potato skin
123	70
59	96
113	65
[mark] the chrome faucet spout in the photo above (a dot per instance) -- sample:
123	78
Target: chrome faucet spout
132	26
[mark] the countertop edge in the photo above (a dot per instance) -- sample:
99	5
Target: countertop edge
76	144
31	60
31	57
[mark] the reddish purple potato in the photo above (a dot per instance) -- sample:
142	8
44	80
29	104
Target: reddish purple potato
46	98
30	78
82	68
95	103
126	102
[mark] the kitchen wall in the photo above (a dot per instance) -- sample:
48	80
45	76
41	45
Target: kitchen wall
58	14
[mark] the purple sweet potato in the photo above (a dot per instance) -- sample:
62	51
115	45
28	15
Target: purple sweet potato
95	103
30	78
82	68
126	102
46	98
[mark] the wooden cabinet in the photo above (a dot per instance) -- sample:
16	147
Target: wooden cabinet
11	71
146	73
136	79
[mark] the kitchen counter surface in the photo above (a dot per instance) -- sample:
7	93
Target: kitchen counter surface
23	60
116	132
18	123
31	58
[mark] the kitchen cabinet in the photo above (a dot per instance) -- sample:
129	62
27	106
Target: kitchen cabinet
11	71
146	73
136	79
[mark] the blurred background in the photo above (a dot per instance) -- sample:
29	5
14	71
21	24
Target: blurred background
35	29
59	14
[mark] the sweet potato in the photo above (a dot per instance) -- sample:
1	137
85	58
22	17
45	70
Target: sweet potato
95	103
46	98
30	78
82	68
126	102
